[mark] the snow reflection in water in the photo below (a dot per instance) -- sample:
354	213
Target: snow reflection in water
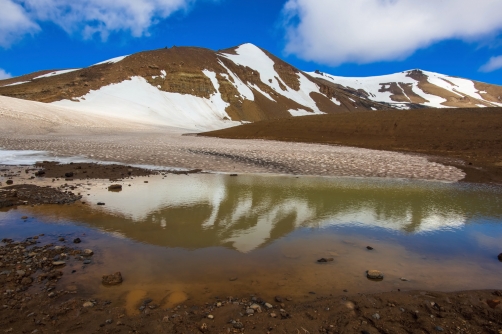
187	235
247	212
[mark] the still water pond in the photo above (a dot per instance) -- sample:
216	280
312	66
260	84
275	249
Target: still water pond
200	236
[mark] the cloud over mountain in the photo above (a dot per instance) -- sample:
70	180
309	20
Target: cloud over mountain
363	31
4	74
14	22
493	64
86	17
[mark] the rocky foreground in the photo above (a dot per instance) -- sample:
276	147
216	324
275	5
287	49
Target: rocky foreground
33	301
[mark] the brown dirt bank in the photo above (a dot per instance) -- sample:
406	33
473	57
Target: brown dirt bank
472	135
30	194
79	171
34	301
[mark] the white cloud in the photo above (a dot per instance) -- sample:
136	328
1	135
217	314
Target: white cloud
14	23
86	17
4	75
363	31
493	64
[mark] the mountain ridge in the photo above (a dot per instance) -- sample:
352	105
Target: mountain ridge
198	88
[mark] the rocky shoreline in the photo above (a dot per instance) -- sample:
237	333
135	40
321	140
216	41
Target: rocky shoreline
33	301
43	188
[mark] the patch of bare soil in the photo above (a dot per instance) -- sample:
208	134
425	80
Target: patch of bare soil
34	301
80	171
30	194
470	139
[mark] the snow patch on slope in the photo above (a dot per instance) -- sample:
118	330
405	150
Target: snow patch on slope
51	74
267	95
138	101
216	97
249	55
16	83
111	61
300	112
244	91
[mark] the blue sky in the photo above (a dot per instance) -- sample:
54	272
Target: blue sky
349	38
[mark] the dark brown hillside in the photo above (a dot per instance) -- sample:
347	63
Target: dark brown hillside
472	135
180	70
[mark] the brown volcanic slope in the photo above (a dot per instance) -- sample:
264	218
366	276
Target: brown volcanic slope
184	74
472	135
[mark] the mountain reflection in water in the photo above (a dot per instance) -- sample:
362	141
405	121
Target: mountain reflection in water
248	212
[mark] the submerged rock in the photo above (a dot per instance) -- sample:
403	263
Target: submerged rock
115	187
324	260
88	252
374	274
500	257
114	279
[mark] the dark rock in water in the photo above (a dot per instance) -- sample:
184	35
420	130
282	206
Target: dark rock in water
278	299
69	174
114	279
101	203
115	187
26	217
61	239
87	252
9	182
40	173
500	257
87	261
369	247
77	241
324	260
374	275
233	174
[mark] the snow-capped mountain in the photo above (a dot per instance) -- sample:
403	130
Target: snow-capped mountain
408	89
200	89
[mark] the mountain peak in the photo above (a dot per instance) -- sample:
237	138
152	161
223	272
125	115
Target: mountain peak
197	88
